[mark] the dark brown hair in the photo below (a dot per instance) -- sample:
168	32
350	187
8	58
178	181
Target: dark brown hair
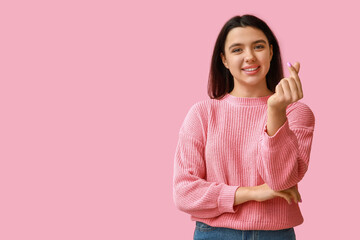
220	79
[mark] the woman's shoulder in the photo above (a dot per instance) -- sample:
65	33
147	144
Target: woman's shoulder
198	111
195	122
203	106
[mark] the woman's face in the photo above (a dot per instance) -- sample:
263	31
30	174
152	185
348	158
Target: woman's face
247	47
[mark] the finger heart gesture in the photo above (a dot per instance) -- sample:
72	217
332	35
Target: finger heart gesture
288	90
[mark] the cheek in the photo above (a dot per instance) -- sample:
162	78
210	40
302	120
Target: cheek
265	58
235	62
266	63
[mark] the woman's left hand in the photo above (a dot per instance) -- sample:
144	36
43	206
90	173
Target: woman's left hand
287	91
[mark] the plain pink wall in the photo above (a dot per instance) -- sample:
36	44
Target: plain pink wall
93	94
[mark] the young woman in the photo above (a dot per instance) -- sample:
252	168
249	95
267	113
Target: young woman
241	153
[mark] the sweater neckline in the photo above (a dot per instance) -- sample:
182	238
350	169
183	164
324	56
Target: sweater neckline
246	101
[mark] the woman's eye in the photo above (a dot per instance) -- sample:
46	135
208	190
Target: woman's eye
236	50
259	46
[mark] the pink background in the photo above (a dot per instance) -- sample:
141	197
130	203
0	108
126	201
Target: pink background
93	94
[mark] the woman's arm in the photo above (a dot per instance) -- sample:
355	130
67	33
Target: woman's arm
285	143
191	192
276	118
242	195
263	193
284	157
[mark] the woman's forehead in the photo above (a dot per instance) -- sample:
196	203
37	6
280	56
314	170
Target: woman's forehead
244	35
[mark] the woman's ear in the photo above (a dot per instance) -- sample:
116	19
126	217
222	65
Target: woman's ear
271	52
224	60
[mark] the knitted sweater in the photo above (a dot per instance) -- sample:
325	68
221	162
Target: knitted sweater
223	145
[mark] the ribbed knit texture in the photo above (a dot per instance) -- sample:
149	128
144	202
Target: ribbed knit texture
223	145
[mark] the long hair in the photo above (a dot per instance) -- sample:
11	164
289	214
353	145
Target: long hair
220	79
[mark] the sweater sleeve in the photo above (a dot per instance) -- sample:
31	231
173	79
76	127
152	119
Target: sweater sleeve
191	192
284	157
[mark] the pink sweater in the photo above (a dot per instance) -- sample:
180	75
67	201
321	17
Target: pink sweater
223	144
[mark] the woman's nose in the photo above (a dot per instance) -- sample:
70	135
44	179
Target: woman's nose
250	57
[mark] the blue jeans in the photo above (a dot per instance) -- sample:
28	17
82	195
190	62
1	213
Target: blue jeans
204	231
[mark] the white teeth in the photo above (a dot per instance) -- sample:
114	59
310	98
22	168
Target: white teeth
251	69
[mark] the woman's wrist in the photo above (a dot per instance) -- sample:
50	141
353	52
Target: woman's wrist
276	118
242	195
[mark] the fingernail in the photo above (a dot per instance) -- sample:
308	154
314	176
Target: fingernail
289	64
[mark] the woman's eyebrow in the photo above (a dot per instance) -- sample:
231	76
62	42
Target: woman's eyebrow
239	44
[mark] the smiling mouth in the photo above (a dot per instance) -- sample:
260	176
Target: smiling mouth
251	69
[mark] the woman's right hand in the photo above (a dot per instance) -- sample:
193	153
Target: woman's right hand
263	192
